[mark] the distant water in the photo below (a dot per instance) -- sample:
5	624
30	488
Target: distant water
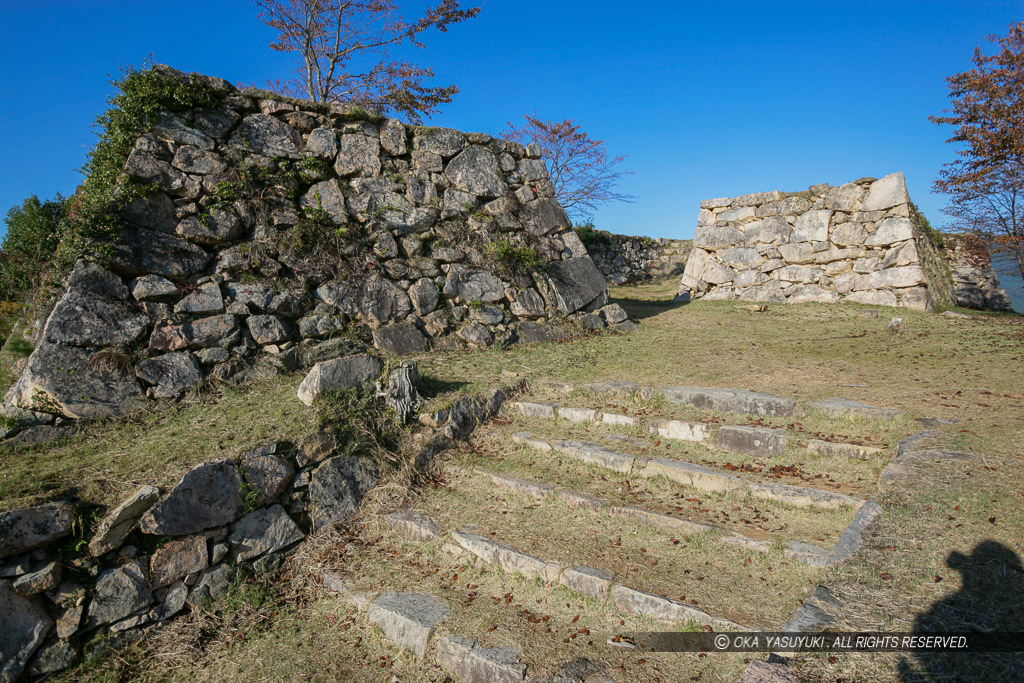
1009	279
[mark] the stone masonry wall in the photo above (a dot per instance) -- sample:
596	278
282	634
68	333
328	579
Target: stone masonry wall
855	242
623	258
159	554
975	282
283	233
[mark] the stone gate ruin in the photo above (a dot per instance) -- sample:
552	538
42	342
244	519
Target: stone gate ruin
858	242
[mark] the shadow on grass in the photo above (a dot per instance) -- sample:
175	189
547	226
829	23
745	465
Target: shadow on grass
435	386
991	600
638	309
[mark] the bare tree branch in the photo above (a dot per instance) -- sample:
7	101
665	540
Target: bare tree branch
329	35
579	167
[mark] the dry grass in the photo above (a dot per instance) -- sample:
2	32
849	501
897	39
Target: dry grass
738	584
155	447
735	511
970	370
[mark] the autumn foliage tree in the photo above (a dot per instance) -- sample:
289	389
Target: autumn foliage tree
986	184
583	174
342	48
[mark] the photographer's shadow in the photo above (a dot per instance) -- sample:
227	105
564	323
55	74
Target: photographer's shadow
991	599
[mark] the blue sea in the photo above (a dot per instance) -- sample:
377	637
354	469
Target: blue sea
1009	279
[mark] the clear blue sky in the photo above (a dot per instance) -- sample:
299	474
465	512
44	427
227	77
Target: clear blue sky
707	99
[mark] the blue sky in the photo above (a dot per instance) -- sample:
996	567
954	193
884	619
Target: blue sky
707	99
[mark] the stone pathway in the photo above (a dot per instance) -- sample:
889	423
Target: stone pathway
491	539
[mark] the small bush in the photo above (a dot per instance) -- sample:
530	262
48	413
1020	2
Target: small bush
590	237
33	234
924	225
521	259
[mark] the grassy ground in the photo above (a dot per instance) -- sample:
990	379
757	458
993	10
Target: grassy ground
947	550
735	511
156	447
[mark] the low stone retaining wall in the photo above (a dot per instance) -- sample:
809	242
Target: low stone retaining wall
623	259
158	554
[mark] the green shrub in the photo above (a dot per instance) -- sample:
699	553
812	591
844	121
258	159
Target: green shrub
512	257
92	217
924	225
590	237
19	347
33	234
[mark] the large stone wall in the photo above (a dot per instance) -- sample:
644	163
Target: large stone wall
623	258
283	232
856	242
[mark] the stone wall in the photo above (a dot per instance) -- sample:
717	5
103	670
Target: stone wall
282	232
975	282
159	554
624	258
856	242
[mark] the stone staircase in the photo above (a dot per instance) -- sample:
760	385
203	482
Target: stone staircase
638	509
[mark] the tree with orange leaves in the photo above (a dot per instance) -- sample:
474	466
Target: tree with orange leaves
579	167
986	184
342	47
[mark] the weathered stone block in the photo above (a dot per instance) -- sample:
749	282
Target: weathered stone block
209	495
757	441
339	374
413	526
268	530
408	619
731	400
475	664
587	581
30	528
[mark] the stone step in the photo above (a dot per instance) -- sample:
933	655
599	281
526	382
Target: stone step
688	474
799	550
841	407
761	442
845	450
408	619
595	455
474	664
588	581
765	442
802	496
699	432
731	401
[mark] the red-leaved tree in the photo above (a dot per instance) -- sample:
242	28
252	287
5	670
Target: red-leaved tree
986	184
342	46
583	174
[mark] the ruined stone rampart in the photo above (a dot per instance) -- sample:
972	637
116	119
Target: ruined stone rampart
282	232
624	259
856	242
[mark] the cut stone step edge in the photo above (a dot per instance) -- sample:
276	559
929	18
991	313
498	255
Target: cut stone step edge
797	550
704	433
689	474
647	604
453	653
